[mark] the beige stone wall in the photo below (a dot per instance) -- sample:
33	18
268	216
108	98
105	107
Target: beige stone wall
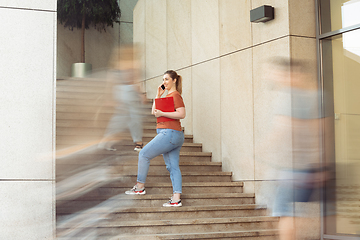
27	126
98	45
221	56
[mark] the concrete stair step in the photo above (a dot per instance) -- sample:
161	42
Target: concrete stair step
76	140
89	124
118	187
231	235
129	146
66	123
97	79
101	88
156	164
95	114
187	225
84	87
84	116
92	127
71	166
188	187
160	177
162	213
83	123
83	158
78	160
70	139
81	131
84	102
85	126
78	85
184	156
79	102
93	88
159	166
186	147
60	94
85	95
224	235
212	211
125	135
75	108
155	167
156	200
196	199
95	82
73	138
84	98
87	158
191	177
79	109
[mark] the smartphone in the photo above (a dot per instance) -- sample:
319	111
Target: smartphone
163	87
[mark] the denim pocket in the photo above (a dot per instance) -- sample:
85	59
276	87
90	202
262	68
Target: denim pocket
177	137
161	131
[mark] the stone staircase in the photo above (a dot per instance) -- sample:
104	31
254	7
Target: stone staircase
214	207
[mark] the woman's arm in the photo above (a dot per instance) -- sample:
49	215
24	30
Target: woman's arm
159	93
153	108
180	113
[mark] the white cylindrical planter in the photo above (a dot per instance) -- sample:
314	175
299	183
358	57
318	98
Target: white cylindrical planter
80	69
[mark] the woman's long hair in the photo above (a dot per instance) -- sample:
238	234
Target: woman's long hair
178	78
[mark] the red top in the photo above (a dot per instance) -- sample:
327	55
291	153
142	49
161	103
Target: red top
178	103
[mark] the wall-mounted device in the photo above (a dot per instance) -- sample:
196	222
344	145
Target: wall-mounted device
262	14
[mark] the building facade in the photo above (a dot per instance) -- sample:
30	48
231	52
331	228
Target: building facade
222	57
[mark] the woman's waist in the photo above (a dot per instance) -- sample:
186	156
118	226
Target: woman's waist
168	129
176	125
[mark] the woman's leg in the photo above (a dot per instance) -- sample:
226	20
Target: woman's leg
172	165
172	159
158	145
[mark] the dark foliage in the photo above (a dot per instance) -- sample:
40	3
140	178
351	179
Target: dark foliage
98	13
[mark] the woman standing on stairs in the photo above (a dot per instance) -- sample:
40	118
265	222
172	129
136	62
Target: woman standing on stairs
167	142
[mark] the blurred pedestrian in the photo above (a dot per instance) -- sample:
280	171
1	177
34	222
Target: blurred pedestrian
302	118
127	97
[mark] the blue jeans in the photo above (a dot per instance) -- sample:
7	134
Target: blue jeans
167	142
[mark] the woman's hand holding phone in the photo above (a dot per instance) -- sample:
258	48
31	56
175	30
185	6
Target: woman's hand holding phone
160	91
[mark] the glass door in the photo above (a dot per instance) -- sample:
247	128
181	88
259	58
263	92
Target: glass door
341	81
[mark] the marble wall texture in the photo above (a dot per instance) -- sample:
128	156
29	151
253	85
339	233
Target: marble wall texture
98	45
222	57
27	126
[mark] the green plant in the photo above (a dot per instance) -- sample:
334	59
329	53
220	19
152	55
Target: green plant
82	14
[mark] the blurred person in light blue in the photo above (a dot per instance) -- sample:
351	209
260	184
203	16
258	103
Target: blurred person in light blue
302	118
127	97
